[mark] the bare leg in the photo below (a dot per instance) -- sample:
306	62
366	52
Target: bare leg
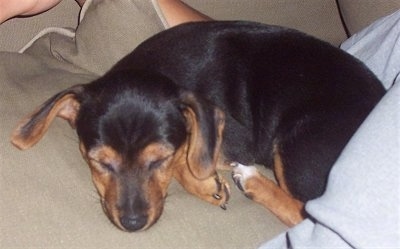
176	12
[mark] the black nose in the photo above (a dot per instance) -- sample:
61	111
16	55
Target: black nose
133	222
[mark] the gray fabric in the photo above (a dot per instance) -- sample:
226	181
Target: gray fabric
360	208
378	46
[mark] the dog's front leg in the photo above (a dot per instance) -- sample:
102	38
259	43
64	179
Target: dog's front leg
214	189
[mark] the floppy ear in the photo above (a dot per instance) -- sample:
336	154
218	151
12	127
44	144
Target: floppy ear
32	128
205	125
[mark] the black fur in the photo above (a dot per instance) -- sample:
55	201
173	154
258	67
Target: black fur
129	110
277	87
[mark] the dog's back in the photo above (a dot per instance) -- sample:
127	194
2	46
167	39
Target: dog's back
283	92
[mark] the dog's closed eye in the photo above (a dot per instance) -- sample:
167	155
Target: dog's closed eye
108	167
155	155
105	159
157	163
103	166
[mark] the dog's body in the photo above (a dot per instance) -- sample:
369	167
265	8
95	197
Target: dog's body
288	101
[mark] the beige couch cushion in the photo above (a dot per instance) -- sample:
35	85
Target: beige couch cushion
47	198
109	30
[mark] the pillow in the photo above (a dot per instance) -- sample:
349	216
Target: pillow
108	30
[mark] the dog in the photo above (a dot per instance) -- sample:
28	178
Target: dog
214	95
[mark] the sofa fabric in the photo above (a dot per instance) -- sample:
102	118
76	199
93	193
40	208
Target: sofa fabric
100	40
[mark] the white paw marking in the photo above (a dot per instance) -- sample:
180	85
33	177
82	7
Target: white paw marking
241	173
244	171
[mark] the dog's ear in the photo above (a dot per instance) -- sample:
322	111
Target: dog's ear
32	128
205	125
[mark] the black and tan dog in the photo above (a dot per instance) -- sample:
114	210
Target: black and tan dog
202	96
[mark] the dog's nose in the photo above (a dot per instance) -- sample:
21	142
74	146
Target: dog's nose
133	222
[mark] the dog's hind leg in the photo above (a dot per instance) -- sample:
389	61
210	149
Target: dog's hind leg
265	192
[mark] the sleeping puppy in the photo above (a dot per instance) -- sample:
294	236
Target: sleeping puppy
203	96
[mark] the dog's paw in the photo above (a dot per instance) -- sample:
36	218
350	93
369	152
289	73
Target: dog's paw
223	191
241	174
214	190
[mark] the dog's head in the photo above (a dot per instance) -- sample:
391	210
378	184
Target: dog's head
134	130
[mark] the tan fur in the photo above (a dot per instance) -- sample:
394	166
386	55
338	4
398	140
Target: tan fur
279	171
206	189
155	187
201	166
267	193
66	107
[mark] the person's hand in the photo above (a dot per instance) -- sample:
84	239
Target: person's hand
12	8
